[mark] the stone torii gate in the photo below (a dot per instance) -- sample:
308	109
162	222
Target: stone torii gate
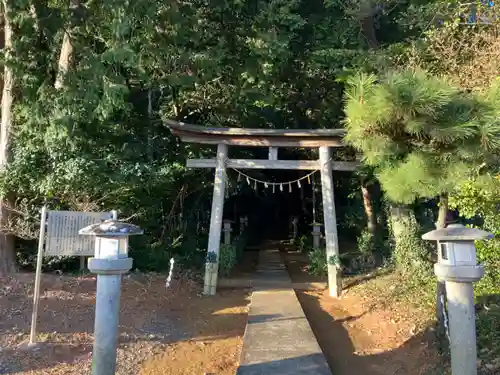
323	139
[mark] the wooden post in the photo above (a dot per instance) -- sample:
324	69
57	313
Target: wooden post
330	222
273	153
216	217
38	275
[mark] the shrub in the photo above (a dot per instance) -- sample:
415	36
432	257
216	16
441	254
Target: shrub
317	262
410	252
304	243
366	242
227	259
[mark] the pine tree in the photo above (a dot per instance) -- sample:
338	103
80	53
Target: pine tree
419	133
422	137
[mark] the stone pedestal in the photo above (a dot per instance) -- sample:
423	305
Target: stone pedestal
211	273
457	267
243	223
316	233
227	231
294	228
110	261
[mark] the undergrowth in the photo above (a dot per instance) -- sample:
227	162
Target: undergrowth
227	259
317	262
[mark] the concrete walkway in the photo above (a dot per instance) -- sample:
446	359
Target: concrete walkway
278	339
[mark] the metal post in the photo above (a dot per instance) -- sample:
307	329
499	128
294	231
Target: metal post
38	275
330	221
216	218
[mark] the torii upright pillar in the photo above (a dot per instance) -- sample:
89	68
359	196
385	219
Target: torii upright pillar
216	214
331	236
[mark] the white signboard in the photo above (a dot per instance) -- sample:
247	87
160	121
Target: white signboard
62	238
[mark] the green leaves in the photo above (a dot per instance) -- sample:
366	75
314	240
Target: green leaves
418	131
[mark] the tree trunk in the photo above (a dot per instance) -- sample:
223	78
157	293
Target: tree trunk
443	211
7	254
441	287
400	223
367	13
407	243
369	211
66	55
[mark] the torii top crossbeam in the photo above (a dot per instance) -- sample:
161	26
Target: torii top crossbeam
310	138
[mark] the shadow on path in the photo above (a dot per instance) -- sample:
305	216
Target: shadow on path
350	351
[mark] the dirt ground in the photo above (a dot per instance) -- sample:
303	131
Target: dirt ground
360	340
175	331
365	332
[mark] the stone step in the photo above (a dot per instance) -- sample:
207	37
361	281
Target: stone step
278	338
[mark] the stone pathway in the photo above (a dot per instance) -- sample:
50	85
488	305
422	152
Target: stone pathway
278	339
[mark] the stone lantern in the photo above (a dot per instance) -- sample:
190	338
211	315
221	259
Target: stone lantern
227	231
294	228
457	267
316	234
110	261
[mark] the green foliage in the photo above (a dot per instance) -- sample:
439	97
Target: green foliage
240	243
488	255
211	257
366	242
317	262
304	243
488	326
99	143
334	260
422	137
419	133
227	259
410	253
479	199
